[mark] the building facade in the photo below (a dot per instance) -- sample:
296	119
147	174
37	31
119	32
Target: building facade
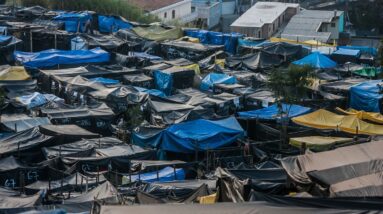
264	19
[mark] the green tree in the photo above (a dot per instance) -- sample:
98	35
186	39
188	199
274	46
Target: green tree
290	86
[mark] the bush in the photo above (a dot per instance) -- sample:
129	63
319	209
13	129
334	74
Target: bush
105	7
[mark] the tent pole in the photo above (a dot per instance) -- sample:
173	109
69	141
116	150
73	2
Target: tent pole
158	174
175	172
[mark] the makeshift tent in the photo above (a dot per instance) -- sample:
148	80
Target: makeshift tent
8	41
351	171
104	81
273	112
216	78
74	22
346	55
318	143
78	43
106	42
50	58
367	96
196	135
109	24
158	32
316	60
21	122
173	78
164	175
286	50
370	116
103	191
258	61
188	50
140	80
35	100
368	72
13	73
323	119
362	49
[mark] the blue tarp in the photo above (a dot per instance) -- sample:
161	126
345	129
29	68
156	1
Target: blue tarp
163	82
366	96
187	137
36	99
5	39
52	57
164	175
363	49
78	43
73	21
252	43
216	78
108	24
145	56
316	60
229	40
153	92
347	52
272	112
104	81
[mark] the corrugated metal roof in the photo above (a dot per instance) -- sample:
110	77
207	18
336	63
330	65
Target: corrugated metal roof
262	13
305	25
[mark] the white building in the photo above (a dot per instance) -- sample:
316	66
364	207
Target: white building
168	10
264	19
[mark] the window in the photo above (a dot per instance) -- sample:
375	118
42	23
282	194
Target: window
332	24
173	14
165	15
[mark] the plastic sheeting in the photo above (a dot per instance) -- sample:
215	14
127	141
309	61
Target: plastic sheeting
78	43
259	61
351	171
157	32
163	175
362	49
191	136
323	119
36	99
109	24
22	122
367	96
369	116
163	82
316	60
216	78
318	143
50	58
104	81
13	73
74	22
273	112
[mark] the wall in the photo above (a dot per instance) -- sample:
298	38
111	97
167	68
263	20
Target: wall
181	9
228	7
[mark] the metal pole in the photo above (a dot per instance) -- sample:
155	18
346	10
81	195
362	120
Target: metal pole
31	40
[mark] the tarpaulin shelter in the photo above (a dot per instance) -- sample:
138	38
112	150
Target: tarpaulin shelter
229	40
21	122
165	174
258	61
316	60
104	191
44	39
7	46
196	135
109	24
369	116
341	86
35	99
74	22
51	58
351	171
78	43
107	42
346	55
168	80
140	80
188	50
165	111
318	143
286	50
362	49
104	81
367	96
8	41
31	12
13	73
323	119
368	72
158	32
216	78
273	112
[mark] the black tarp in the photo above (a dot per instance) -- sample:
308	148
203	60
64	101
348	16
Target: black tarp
192	196
230	188
323	203
7	202
103	191
44	39
342	86
21	122
93	118
287	51
259	61
109	43
224	208
188	50
336	175
82	148
140	80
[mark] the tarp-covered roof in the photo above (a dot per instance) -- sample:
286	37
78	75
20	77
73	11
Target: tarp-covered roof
157	32
323	119
367	96
50	58
13	73
216	78
316	60
352	171
273	112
